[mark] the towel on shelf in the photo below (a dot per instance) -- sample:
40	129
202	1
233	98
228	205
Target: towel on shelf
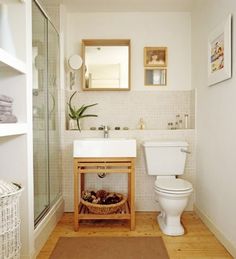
5	104
5	109
8	118
5	113
6	98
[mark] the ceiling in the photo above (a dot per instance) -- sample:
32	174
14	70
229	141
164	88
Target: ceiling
125	5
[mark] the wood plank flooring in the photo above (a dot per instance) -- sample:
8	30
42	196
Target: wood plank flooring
197	243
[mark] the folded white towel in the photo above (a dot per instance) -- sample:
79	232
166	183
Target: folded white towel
8	119
6	98
5	104
5	113
5	109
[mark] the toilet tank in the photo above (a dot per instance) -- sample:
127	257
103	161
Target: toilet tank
165	157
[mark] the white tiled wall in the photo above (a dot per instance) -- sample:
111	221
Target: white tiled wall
124	109
193	96
144	183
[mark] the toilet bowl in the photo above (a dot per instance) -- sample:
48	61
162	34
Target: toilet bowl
166	160
172	202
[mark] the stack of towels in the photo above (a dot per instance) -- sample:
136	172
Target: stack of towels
6	115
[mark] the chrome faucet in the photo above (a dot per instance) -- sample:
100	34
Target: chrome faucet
106	131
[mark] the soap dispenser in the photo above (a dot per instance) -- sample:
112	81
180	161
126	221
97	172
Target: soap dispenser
141	124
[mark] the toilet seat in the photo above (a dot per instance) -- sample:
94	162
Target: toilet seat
173	185
173	194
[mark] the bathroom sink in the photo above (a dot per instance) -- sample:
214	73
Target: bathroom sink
104	147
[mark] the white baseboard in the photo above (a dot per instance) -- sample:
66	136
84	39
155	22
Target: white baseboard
46	226
219	235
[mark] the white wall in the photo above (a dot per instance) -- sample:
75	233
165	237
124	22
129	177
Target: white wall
125	108
144	29
216	127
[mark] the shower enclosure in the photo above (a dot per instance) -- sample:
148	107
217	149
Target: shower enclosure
46	141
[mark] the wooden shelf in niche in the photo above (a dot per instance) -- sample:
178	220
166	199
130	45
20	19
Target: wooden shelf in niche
9	62
155	76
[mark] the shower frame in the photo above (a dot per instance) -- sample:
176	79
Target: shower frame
50	202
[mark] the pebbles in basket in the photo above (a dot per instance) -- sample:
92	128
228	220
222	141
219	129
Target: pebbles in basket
101	197
6	115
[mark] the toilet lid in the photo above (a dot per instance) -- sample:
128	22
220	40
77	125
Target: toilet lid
173	184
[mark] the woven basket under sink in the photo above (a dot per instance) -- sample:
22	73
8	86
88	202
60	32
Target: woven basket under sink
103	209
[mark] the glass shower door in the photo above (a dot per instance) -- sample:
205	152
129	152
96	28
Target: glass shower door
40	112
54	125
46	124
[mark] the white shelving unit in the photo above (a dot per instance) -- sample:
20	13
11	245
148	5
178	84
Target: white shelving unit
9	62
16	146
11	129
13	78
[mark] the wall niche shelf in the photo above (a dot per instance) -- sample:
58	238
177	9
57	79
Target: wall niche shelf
9	62
12	129
155	76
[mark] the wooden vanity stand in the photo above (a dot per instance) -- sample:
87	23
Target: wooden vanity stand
84	166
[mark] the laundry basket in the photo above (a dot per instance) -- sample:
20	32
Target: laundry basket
9	220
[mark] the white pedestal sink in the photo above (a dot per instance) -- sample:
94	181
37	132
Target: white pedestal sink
104	147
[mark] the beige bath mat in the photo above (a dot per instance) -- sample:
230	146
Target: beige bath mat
109	248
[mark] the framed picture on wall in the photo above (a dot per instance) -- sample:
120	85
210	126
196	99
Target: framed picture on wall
219	53
155	57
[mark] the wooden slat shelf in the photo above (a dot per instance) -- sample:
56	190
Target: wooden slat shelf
124	213
105	164
103	159
82	166
104	170
104	167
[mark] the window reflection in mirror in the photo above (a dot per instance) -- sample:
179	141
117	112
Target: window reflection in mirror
106	64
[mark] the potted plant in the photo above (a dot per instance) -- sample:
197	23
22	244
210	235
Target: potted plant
78	113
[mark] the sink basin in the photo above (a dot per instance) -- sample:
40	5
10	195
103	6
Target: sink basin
104	147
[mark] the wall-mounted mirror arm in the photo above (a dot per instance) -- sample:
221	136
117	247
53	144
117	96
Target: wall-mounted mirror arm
75	62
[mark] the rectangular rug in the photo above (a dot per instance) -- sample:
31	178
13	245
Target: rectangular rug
109	248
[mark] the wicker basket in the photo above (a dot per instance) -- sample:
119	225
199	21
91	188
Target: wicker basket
103	209
9	221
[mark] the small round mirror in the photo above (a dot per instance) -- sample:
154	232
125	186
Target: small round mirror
75	62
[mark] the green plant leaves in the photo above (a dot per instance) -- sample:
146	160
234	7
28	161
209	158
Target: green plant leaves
78	113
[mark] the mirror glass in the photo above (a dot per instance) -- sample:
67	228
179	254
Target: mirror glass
75	62
106	65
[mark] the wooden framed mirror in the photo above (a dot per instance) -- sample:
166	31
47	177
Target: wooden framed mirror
106	65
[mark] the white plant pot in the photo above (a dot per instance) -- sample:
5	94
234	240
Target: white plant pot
6	41
72	125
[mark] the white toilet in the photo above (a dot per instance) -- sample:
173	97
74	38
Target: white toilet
166	160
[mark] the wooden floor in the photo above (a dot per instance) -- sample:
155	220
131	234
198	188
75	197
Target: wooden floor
197	243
